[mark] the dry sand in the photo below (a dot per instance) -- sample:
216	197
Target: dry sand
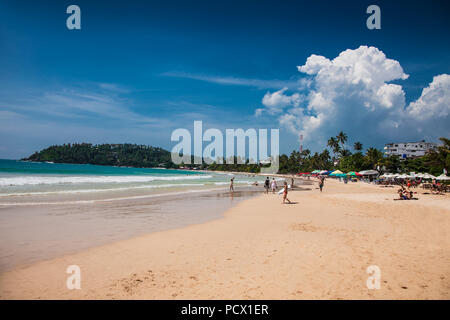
318	248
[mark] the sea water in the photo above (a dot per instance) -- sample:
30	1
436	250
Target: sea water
48	209
36	182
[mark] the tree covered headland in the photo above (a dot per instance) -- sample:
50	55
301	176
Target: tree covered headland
336	157
106	154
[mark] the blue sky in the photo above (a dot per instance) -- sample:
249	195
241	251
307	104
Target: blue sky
139	69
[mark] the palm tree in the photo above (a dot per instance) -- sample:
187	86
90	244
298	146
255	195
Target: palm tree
440	157
345	153
373	156
333	143
305	153
342	138
358	146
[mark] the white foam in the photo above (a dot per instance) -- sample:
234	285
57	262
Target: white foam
99	190
105	200
37	180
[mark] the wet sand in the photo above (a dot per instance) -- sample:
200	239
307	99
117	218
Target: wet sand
29	233
317	248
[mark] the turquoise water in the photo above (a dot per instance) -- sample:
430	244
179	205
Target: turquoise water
48	210
23	167
19	180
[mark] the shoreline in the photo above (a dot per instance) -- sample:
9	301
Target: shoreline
318	248
31	233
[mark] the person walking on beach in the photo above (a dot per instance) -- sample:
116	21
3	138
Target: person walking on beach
274	185
321	182
266	185
231	185
285	192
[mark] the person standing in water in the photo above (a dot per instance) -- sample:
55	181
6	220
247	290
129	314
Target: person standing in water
274	185
231	185
267	185
285	192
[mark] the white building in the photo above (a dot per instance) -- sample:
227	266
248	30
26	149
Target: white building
409	149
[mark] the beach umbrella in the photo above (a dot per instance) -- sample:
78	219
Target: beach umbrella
419	175
443	177
337	172
369	172
353	173
428	176
323	172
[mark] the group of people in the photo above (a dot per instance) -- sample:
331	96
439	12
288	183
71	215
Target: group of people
405	193
438	188
268	184
272	185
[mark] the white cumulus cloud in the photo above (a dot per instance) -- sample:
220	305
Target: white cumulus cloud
434	101
275	102
353	92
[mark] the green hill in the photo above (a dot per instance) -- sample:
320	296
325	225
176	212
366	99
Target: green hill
105	154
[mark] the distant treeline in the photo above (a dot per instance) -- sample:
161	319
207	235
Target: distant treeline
341	158
106	154
434	162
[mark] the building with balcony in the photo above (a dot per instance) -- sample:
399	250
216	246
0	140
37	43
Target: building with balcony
406	150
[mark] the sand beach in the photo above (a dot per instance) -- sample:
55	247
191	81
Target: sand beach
319	247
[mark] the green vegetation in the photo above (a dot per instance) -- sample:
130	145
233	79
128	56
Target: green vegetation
106	154
245	167
433	162
146	156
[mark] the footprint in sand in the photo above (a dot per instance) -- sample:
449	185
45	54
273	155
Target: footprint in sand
304	227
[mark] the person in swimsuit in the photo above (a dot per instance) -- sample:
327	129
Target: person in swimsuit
321	182
231	185
285	192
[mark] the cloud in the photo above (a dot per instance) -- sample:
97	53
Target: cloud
434	100
367	65
258	112
35	119
72	103
277	101
113	87
353	93
259	83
